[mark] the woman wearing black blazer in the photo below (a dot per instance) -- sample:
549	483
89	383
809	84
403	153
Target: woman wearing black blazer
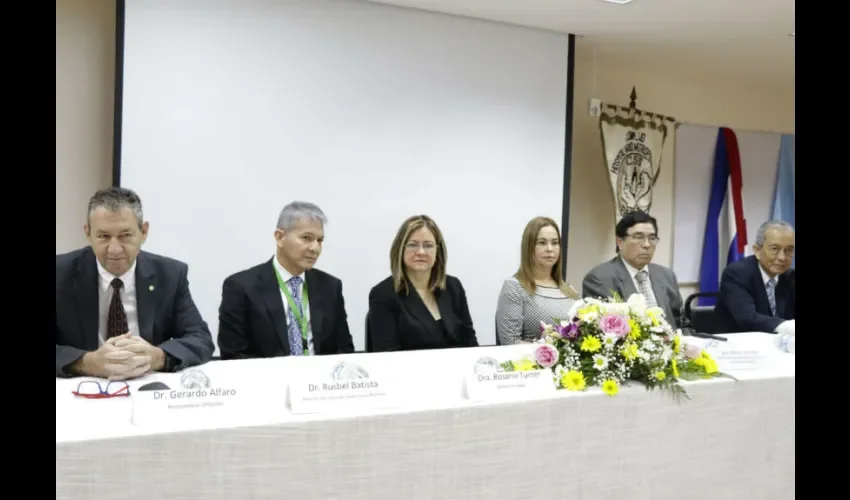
418	306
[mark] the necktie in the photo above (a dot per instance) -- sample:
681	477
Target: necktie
296	347
116	323
770	288
645	289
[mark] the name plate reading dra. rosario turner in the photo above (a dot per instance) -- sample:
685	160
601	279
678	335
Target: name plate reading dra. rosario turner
348	387
498	386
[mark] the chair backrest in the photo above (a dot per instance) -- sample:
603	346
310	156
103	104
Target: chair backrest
701	318
368	334
498	341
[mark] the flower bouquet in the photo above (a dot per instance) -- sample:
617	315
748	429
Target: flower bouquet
606	343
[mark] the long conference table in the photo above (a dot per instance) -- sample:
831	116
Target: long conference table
263	436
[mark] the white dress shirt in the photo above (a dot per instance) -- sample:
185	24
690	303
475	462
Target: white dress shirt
128	298
633	273
285	276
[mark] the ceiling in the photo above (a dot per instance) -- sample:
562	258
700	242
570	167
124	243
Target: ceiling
742	39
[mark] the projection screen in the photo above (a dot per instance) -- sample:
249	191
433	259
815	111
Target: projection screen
232	108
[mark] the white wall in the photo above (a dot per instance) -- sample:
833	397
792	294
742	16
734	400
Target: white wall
85	82
375	113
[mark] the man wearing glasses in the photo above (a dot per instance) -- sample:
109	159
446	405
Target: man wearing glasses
121	312
284	306
632	270
758	293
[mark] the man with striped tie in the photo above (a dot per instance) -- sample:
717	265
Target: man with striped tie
758	293
285	306
632	270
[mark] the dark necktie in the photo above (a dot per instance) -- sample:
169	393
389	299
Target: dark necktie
116	323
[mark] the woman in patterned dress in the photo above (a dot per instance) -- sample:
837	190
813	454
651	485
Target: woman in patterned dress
537	292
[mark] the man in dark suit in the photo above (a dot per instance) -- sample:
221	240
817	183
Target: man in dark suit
632	270
121	312
285	307
758	293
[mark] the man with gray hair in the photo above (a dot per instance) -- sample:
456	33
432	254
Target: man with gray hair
759	293
122	312
285	307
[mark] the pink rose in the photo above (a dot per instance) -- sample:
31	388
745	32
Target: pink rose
546	355
614	324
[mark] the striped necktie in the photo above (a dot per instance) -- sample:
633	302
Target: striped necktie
645	289
770	288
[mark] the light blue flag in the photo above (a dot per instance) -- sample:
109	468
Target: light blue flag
783	196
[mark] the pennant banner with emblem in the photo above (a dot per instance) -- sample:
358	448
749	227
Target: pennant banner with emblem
632	141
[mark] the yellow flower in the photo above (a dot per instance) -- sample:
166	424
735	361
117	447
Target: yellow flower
523	365
610	387
590	344
710	366
653	315
699	361
675	368
573	381
705	356
677	343
660	376
634	329
630	351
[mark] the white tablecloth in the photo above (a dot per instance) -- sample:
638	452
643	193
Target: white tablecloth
733	439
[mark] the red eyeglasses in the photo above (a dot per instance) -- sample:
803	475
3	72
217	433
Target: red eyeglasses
91	389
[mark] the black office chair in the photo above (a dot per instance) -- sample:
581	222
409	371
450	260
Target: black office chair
700	318
368	334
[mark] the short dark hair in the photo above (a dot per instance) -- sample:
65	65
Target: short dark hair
115	198
632	219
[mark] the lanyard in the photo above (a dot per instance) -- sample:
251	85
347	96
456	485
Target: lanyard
300	317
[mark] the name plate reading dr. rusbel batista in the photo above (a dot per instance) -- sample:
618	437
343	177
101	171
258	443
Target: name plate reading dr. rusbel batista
156	402
492	385
347	387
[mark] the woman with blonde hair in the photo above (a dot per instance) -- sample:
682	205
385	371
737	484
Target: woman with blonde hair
419	306
537	292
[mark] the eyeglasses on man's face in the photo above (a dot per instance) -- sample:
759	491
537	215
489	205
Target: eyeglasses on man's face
92	389
640	238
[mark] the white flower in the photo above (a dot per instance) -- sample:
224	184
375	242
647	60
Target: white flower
609	339
637	304
600	362
655	311
615	308
547	328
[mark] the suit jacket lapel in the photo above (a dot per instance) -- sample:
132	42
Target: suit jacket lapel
659	290
88	307
315	298
418	310
146	295
627	284
270	293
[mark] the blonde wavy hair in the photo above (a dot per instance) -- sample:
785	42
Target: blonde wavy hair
525	274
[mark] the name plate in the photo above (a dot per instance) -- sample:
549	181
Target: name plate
154	407
500	386
341	396
731	358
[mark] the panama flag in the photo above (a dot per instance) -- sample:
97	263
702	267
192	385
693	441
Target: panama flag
725	228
